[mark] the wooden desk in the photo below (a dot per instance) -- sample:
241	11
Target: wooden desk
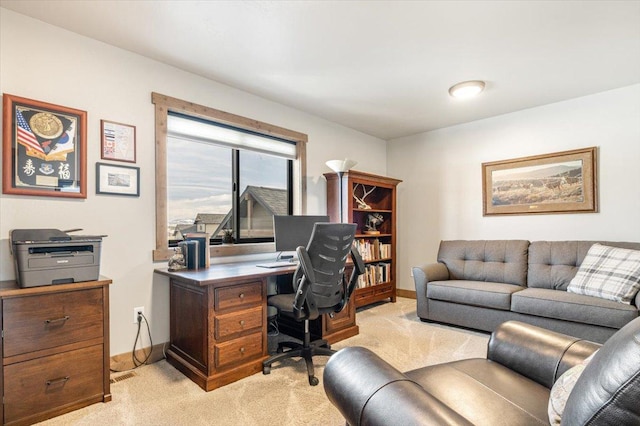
218	321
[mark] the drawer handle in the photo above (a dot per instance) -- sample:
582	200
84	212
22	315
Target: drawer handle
242	322
56	381
241	295
51	321
241	350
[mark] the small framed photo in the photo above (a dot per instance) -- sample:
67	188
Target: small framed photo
117	180
43	149
117	141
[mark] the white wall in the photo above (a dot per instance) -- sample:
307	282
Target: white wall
42	62
441	196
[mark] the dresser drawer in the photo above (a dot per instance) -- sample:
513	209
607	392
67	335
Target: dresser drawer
43	384
236	322
38	322
238	350
238	296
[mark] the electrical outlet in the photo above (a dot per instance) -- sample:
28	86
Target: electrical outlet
135	313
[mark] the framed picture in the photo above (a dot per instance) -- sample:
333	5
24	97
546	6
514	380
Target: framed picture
562	182
117	141
43	149
117	180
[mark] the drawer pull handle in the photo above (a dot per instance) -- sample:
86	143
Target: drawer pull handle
241	296
241	350
242	322
51	321
56	381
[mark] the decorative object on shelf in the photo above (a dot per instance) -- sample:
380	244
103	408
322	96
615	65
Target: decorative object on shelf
340	167
176	262
373	220
561	182
227	236
360	200
117	180
44	149
117	141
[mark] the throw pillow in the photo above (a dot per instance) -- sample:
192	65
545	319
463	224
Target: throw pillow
608	272
562	388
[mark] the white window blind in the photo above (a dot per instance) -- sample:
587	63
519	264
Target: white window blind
208	132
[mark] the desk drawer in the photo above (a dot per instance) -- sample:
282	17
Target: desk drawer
238	296
236	322
238	350
33	323
46	383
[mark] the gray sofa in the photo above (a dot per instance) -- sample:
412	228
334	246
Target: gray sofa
512	386
480	284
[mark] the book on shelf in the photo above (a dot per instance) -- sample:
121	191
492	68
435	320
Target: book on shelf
203	247
375	274
373	249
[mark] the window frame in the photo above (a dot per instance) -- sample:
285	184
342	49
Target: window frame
163	104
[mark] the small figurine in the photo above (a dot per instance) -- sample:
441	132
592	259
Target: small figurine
177	262
373	220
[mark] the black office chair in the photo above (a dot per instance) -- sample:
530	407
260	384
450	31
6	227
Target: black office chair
320	288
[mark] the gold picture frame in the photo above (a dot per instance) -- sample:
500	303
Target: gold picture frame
44	149
560	182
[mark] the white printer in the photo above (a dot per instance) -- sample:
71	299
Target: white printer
51	256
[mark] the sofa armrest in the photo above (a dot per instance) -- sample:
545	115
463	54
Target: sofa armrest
421	276
537	353
361	385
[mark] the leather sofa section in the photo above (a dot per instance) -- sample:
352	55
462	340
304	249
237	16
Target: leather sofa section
503	261
573	307
608	391
476	293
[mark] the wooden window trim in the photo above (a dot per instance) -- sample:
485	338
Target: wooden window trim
163	105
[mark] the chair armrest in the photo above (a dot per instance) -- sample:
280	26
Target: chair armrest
537	353
361	385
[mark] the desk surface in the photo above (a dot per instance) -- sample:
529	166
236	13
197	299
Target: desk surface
227	272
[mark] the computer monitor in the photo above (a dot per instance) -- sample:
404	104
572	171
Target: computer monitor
292	231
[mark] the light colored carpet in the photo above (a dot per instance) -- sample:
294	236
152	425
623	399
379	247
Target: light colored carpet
160	395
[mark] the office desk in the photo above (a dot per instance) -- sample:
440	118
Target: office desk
218	321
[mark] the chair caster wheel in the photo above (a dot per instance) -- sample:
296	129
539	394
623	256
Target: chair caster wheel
266	370
313	381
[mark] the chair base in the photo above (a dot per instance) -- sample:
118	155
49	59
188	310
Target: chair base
317	347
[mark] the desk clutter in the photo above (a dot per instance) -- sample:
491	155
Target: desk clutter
192	253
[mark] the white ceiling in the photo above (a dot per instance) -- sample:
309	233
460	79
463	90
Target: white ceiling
381	67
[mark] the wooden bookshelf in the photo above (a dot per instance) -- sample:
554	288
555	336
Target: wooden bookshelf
378	250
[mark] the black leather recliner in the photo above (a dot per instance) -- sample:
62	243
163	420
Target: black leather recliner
510	387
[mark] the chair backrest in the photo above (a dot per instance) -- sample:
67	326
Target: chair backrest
319	280
608	391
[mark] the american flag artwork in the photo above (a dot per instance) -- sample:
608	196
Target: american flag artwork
25	135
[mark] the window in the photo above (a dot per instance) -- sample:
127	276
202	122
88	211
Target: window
216	170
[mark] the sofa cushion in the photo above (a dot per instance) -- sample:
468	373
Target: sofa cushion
502	261
572	307
475	293
562	389
553	264
485	392
608	272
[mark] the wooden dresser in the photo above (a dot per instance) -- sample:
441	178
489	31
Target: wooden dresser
55	349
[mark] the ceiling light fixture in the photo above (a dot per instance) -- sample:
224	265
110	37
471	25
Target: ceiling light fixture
466	89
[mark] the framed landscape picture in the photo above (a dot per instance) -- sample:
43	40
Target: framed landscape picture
44	149
117	180
561	182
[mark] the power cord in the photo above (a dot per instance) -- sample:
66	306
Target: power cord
134	357
136	362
